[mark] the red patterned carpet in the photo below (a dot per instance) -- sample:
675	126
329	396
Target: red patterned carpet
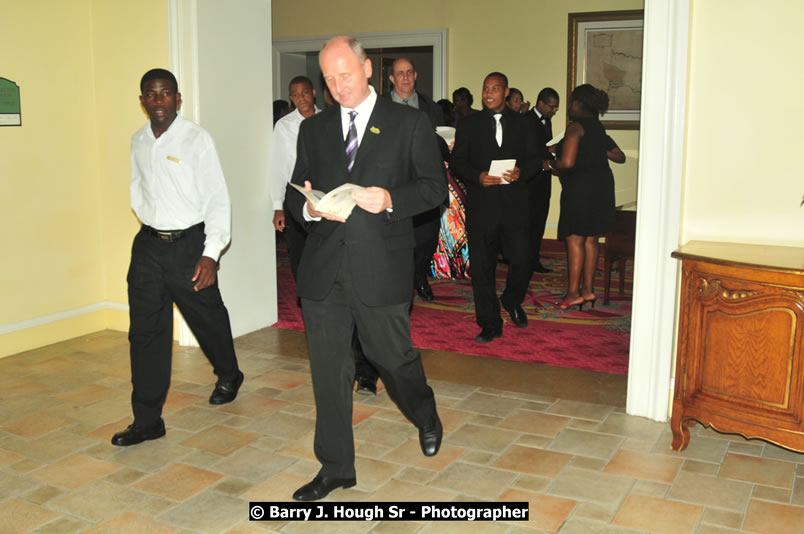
594	339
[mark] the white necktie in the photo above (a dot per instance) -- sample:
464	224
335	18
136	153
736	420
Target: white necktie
498	133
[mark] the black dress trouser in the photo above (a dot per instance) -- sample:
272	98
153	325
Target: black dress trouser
160	274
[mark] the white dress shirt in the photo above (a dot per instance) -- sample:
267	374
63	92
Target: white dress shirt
283	155
177	182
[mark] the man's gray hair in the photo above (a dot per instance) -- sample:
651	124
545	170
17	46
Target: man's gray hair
351	42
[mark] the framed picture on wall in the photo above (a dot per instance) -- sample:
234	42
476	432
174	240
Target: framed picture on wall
605	49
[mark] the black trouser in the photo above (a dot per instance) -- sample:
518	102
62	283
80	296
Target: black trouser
539	190
384	333
484	242
295	236
160	274
425	230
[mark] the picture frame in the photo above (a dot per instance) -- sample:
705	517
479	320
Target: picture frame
604	49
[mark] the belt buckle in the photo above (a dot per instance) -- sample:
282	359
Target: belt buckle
165	236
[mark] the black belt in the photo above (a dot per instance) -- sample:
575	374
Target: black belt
172	235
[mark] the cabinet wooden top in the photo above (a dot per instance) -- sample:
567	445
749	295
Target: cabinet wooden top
743	255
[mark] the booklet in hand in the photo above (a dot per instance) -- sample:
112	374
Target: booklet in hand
337	202
499	166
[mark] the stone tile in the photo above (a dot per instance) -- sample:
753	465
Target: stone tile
582	485
386	433
193	418
25	466
75	471
485	420
281	425
700	448
534	423
302	394
399	491
473	480
8	458
778	453
410	454
595	511
657	515
632	427
278	488
651	489
96	501
585	443
486	404
280	379
702	468
484	438
773	518
253	464
177	400
151	455
580	410
12	484
371	450
53	446
178	482
37	424
584	462
208	511
131	523
645	466
415	475
374	473
758	470
18	517
546	513
125	476
477	457
722	518
750	449
220	439
769	493
91	393
798	492
710	491
532	461
43	494
65	525
532	484
452	419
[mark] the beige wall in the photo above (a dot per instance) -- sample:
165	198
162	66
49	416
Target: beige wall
66	224
743	176
530	47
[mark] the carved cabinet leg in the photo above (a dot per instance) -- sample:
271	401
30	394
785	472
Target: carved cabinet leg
681	434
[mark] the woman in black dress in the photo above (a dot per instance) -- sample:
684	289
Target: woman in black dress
587	190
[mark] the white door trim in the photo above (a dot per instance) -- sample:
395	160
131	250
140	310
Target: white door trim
436	38
661	142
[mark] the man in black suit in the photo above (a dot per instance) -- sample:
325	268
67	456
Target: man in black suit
357	271
539	189
497	211
426	225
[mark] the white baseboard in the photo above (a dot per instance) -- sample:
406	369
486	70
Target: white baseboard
9	328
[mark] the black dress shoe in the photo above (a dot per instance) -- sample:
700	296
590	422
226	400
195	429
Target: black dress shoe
320	487
424	290
518	316
367	385
137	434
539	268
430	439
488	334
226	391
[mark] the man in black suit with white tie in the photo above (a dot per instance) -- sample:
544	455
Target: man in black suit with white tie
358	271
497	211
539	189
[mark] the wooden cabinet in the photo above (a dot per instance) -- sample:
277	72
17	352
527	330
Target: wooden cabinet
741	326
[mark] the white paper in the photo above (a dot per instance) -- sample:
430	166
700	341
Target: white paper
555	140
337	202
447	133
499	166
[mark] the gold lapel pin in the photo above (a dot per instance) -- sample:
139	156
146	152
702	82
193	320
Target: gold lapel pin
174	160
374	130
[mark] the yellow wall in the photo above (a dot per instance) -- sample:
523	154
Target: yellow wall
525	39
66	225
743	176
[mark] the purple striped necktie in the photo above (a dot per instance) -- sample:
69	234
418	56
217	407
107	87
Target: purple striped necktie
351	142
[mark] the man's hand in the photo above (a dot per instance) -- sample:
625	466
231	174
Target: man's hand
279	220
511	176
317	214
486	180
206	270
373	199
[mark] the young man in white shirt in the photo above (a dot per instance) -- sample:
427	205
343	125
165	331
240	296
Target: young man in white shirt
179	194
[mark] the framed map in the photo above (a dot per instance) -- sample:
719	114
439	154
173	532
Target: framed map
605	49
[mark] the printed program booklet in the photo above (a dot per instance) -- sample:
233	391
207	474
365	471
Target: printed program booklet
337	202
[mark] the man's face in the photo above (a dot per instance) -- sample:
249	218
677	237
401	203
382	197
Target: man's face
548	108
346	78
514	101
303	97
403	77
494	93
161	102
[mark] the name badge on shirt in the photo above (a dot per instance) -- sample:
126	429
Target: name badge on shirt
174	160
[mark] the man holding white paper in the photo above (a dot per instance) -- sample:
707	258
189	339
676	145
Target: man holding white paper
495	155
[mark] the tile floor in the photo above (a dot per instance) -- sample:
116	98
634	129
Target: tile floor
557	438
